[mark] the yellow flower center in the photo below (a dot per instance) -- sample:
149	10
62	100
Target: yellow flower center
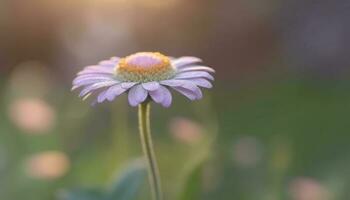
144	67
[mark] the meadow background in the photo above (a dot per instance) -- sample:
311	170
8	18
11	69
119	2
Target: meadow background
274	127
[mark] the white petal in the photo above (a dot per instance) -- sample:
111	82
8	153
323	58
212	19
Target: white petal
115	59
196	68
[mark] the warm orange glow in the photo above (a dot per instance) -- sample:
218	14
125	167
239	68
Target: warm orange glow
32	115
47	165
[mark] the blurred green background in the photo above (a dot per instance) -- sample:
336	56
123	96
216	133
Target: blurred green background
274	127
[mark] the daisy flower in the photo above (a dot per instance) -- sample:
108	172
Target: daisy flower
144	75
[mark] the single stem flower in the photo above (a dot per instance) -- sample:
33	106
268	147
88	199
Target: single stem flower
147	146
145	77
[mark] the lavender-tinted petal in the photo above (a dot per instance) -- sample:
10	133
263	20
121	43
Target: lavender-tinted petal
95	86
82	79
180	82
201	82
167	98
141	93
114	91
102	96
187	75
196	68
137	95
192	87
150	86
90	72
82	82
91	76
157	95
96	71
186	60
172	82
87	82
162	95
187	93
132	101
97	67
109	63
127	85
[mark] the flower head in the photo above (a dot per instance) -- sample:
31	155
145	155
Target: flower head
142	75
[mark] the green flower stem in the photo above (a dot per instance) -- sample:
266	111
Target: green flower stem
147	146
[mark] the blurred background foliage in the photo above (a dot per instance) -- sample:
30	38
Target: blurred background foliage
275	126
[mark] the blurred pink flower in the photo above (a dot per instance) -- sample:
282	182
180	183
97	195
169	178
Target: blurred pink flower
304	188
32	115
47	165
185	130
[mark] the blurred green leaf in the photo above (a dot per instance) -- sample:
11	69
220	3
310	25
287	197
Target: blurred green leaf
125	187
129	182
193	185
82	194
